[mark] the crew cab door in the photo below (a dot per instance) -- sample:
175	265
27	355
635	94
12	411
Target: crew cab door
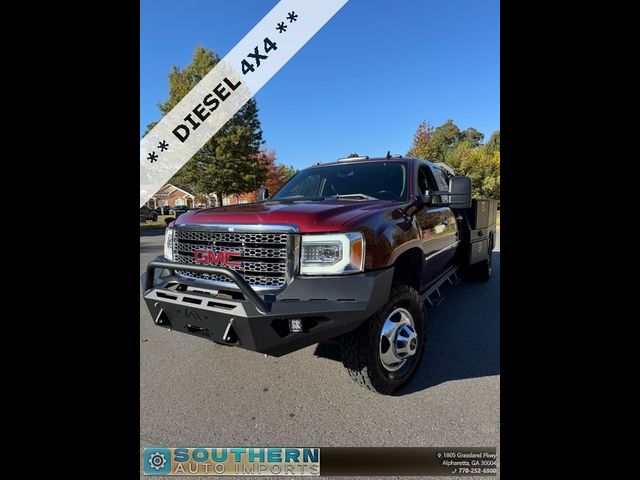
437	226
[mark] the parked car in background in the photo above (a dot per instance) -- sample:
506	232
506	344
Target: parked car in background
179	210
147	214
165	210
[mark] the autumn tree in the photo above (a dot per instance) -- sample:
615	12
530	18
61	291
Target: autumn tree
278	174
421	146
227	164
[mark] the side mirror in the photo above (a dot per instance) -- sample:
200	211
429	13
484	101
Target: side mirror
458	195
460	192
263	193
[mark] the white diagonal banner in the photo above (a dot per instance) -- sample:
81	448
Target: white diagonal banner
227	87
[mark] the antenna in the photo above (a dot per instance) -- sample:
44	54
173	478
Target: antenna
388	154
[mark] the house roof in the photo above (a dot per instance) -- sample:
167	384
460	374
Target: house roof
186	190
169	188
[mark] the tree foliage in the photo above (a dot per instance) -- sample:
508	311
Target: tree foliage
472	137
228	163
278	174
464	151
422	142
493	144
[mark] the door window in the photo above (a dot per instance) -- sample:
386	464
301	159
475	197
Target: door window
423	180
442	182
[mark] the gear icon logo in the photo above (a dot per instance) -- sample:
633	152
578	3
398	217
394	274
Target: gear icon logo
157	460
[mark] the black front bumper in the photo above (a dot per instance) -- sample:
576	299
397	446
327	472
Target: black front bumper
327	306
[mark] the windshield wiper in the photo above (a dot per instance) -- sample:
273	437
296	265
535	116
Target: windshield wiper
296	198
354	195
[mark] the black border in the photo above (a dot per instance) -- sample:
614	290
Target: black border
88	352
539	232
80	322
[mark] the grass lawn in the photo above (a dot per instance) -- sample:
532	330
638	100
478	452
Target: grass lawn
152	225
160	224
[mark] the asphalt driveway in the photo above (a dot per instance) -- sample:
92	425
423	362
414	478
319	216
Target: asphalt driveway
197	393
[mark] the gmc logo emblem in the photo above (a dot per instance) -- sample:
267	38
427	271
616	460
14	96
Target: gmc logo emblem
221	258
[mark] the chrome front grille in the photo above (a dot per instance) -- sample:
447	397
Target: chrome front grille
265	258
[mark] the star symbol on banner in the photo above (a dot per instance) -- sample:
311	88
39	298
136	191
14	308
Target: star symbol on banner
292	17
281	27
163	145
152	157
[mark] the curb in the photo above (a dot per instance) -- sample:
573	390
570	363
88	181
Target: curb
150	232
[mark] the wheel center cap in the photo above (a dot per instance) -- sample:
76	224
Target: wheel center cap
398	340
406	341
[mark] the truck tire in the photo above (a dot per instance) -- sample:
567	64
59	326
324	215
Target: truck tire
370	356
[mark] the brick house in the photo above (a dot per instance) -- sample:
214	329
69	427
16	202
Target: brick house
173	196
238	199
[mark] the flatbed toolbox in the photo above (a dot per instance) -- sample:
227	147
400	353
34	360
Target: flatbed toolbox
480	228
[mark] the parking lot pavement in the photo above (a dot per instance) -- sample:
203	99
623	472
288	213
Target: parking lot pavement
194	392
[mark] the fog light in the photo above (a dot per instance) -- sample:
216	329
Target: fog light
295	325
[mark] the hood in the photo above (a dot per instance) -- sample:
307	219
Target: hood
312	216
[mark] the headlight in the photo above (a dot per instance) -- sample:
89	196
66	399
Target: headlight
332	254
168	244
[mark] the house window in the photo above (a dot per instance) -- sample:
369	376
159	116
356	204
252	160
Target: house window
225	201
179	202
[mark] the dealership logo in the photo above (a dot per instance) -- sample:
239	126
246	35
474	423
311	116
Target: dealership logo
232	461
157	461
222	258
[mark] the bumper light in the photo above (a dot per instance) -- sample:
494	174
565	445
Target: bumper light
295	325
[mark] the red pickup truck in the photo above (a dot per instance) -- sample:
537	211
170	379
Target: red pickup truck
346	251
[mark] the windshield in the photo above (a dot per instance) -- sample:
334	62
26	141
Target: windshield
357	181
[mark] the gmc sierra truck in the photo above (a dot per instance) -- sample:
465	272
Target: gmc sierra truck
347	251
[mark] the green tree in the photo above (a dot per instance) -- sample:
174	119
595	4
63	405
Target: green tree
434	143
228	163
464	151
493	144
482	166
287	171
353	155
445	137
471	136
